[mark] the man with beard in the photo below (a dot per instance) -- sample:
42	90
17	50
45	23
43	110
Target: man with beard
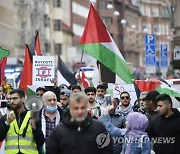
125	107
49	116
100	95
79	133
93	106
21	132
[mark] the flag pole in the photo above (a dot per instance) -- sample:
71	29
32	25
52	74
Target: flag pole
99	70
81	61
136	90
78	76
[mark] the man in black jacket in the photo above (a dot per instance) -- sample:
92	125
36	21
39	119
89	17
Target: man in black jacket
165	129
79	133
150	107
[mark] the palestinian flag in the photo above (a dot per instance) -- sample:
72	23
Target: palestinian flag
26	74
2	69
161	86
32	50
37	45
64	75
97	42
4	53
34	46
31	90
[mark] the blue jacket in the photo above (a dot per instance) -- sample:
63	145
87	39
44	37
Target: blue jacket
131	144
118	121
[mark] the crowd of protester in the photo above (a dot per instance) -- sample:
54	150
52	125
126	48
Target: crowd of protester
74	120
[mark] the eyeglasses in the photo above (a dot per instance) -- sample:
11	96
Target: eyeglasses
39	94
13	98
123	97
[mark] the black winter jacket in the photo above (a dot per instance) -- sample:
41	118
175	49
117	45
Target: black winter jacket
70	138
165	133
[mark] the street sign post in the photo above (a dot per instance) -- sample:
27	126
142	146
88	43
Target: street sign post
150	53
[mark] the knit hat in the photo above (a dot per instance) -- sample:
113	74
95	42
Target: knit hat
65	92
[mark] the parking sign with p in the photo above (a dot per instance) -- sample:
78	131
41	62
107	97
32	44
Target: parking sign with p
150	53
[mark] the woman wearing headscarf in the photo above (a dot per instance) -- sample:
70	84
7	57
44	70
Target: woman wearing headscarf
135	139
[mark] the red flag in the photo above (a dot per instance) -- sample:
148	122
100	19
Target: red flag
26	74
37	45
147	85
1	144
2	68
85	82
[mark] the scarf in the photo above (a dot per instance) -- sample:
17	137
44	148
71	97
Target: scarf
125	111
43	121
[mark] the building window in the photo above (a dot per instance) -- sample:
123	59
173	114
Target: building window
78	29
160	29
21	1
23	32
167	29
58	48
57	3
57	25
47	47
156	28
108	21
80	10
103	5
142	10
149	27
46	21
148	11
155	12
130	39
163	29
137	40
121	38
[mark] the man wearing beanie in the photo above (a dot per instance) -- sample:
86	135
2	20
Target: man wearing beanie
150	106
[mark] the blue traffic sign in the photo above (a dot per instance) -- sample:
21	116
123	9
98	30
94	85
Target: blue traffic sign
150	48
150	39
150	60
164	55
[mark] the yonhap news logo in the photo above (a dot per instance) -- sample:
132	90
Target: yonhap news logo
103	140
